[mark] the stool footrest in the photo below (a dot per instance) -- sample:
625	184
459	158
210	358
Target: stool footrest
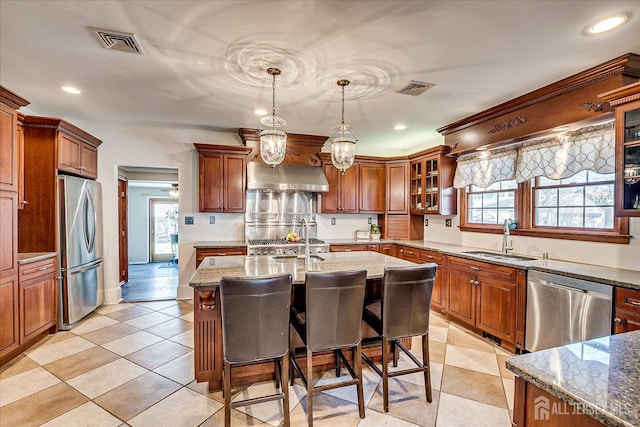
261	399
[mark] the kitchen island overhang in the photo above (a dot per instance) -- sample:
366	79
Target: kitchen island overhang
208	355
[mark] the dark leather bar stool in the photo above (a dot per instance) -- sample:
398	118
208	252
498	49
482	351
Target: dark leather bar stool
330	322
403	312
255	329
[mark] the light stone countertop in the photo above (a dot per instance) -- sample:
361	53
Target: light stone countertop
27	257
212	269
600	377
608	275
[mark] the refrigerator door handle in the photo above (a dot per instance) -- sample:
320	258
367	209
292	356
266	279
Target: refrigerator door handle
87	268
89	222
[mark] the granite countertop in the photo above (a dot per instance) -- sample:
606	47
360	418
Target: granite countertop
599	376
611	276
212	269
27	257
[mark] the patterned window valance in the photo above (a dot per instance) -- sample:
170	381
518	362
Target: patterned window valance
484	168
589	148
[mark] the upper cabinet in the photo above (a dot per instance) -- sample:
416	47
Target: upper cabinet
222	177
372	187
431	182
342	196
74	151
626	101
397	187
9	103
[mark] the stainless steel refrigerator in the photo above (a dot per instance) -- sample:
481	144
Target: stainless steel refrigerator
80	242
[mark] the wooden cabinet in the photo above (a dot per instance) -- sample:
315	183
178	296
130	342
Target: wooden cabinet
484	296
626	101
387	249
202	253
222	177
9	187
437	296
38	298
627	310
353	248
77	157
343	193
408	253
372	187
397	187
431	183
20	152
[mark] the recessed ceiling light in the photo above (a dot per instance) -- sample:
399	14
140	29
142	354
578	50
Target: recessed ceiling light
560	128
400	127
607	24
260	112
71	89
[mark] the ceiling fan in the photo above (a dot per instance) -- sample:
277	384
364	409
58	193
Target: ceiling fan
173	191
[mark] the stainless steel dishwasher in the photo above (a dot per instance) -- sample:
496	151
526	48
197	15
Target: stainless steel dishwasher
563	310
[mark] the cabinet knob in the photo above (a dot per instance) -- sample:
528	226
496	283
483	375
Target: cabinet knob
617	320
82	168
24	202
471	281
476	283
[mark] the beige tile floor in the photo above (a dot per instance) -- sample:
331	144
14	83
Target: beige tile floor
132	364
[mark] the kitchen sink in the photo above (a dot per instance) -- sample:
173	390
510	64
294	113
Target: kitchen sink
287	258
499	256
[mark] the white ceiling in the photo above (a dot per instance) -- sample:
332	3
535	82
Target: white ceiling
205	61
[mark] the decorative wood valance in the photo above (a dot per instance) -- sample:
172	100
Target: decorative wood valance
301	149
567	101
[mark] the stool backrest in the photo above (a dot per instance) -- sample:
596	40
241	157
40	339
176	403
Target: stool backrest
255	317
406	298
334	302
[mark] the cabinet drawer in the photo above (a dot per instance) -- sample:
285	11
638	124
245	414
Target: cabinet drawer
409	254
203	253
628	299
351	248
430	256
37	269
483	269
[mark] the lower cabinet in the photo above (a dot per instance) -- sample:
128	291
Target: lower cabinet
202	253
353	248
38	298
438	294
28	307
485	296
627	311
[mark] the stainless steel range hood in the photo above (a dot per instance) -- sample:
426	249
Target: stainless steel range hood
286	177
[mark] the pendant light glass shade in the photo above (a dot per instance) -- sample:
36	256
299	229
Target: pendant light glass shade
343	140
273	141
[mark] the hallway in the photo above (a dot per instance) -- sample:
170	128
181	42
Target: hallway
155	281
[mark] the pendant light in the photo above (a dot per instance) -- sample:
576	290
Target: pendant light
343	140
273	141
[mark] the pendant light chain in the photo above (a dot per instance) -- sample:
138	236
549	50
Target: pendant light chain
273	96
343	104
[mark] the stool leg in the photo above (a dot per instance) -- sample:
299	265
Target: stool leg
226	374
310	385
394	351
426	362
285	389
279	385
338	362
357	362
385	375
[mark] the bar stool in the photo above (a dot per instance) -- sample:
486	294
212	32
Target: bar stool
403	312
255	329
330	322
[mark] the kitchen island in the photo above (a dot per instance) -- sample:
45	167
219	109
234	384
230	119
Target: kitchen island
591	383
206	299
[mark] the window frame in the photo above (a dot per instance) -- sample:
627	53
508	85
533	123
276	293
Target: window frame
524	211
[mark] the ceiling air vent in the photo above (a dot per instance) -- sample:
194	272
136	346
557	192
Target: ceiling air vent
414	88
116	40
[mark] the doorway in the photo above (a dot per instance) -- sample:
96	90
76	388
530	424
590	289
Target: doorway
149	237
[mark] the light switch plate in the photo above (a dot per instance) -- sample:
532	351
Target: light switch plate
426	222
447	222
333	221
212	219
188	220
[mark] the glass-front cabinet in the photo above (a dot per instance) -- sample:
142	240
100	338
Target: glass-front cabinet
628	122
431	183
626	101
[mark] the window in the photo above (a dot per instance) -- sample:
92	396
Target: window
492	204
583	201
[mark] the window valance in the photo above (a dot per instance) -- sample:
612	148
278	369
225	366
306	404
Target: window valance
589	148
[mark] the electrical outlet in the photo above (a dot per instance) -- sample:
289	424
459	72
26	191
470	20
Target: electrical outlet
212	219
188	220
426	222
447	222
333	221
370	220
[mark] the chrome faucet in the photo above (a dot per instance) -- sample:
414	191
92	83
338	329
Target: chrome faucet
307	251
505	236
